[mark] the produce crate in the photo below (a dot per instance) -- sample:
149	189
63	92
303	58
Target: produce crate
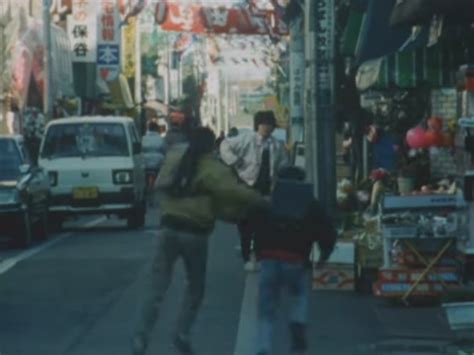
334	277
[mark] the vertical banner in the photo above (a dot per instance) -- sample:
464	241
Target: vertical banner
82	31
324	28
297	67
129	55
108	40
324	17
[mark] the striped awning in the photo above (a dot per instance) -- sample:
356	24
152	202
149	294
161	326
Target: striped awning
433	66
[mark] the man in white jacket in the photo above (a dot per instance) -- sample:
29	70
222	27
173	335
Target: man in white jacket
257	157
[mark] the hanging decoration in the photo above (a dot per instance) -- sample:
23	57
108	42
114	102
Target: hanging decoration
220	20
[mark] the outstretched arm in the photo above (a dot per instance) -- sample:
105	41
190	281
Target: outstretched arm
232	149
232	199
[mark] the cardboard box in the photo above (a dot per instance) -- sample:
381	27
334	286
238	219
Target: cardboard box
343	253
338	273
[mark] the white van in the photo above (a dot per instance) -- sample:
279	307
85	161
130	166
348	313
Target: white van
95	165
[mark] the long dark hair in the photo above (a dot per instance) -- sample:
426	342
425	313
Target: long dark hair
201	142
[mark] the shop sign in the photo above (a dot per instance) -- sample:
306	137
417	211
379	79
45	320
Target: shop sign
82	31
324	14
296	84
129	53
108	40
198	19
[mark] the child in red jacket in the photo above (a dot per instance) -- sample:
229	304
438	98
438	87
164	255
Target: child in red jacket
284	238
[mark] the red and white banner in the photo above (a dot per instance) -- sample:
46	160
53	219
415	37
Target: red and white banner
199	19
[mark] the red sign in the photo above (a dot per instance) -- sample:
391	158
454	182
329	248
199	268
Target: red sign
198	19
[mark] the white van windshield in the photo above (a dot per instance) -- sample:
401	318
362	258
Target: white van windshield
85	139
10	160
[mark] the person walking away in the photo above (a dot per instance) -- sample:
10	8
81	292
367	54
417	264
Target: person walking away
153	147
256	156
203	190
285	235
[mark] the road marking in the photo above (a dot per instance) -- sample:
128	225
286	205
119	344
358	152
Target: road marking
7	264
247	331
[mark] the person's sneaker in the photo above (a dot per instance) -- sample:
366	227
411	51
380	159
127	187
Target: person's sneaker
299	344
183	345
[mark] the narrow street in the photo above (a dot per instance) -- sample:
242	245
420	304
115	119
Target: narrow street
78	292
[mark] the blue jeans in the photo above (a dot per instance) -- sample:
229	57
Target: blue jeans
275	275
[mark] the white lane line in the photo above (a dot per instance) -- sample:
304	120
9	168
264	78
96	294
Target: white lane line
7	264
247	331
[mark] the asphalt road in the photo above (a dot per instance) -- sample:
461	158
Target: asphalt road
78	293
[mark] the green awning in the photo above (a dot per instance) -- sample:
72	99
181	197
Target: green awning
434	66
351	37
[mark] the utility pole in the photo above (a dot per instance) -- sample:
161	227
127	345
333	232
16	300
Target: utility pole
227	110
320	99
48	89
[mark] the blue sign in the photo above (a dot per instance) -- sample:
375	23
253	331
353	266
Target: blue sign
108	54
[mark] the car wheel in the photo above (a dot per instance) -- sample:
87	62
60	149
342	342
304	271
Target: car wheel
42	227
55	223
23	233
136	219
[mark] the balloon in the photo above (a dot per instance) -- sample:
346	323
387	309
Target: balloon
430	138
415	138
435	124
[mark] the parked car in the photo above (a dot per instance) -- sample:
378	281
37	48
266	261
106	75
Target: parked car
24	193
95	166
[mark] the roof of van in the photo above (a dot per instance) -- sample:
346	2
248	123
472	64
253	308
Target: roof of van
17	137
96	119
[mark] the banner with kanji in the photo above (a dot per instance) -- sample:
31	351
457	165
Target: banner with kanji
201	19
82	31
108	40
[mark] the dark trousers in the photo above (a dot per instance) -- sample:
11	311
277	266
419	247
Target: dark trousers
246	238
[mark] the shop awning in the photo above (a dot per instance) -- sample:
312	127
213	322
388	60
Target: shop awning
377	38
410	68
417	12
352	33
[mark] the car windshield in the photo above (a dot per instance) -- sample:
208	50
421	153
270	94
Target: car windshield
10	160
85	139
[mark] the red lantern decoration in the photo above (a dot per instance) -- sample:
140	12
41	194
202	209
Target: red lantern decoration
415	138
435	124
430	138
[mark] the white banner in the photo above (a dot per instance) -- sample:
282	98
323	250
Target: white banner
82	31
296	84
108	40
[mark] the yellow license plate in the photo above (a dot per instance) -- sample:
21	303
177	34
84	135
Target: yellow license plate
85	193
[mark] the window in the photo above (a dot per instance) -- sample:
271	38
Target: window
85	139
10	160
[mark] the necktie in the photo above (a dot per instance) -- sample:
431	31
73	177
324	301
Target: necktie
263	181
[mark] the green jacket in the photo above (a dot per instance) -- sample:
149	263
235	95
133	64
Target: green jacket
215	193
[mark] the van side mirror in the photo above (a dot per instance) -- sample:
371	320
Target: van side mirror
25	169
137	148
